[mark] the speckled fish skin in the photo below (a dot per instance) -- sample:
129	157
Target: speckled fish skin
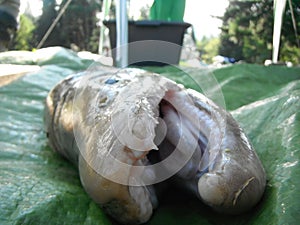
224	171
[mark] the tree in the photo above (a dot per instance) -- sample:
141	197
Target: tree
24	36
208	47
79	23
48	16
77	26
247	31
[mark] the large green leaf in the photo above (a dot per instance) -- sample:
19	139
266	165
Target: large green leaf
37	186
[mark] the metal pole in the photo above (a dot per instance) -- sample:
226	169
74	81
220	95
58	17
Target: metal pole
122	34
105	13
279	7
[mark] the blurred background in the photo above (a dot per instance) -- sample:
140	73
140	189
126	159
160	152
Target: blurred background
237	29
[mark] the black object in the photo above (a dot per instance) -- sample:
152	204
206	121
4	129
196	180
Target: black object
8	27
151	43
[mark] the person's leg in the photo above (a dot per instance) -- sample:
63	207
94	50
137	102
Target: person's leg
9	16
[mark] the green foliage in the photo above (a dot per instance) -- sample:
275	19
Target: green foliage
290	53
24	36
247	31
208	48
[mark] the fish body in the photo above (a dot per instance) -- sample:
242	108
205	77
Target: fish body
128	129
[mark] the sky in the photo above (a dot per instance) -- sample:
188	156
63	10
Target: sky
197	12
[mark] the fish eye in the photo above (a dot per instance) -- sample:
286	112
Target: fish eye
111	81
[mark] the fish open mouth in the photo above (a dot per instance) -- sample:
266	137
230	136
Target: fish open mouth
180	135
182	138
150	137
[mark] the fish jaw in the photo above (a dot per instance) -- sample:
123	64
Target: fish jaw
236	181
231	195
230	177
128	205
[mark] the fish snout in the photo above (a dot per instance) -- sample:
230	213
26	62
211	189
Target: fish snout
231	195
